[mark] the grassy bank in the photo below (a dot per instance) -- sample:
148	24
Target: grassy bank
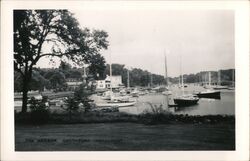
116	131
118	117
124	137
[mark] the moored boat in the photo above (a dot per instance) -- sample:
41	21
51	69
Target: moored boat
116	103
167	92
209	94
220	87
186	100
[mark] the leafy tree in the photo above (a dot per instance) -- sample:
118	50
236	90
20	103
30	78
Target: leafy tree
58	29
74	73
97	69
82	94
72	105
57	80
38	82
65	66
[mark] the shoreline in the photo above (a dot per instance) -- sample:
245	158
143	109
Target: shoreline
120	117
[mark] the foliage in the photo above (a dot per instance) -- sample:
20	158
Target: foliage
57	29
138	77
82	94
64	66
38	82
39	111
79	99
226	77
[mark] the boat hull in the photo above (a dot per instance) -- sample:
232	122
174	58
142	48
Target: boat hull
220	87
215	95
114	104
185	102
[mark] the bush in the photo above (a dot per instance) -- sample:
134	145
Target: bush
157	115
39	113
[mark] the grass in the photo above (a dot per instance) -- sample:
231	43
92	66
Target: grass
116	117
157	130
124	137
104	130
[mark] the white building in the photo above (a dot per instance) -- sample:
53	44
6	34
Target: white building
104	84
73	83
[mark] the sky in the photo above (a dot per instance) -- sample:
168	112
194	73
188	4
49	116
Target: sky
193	40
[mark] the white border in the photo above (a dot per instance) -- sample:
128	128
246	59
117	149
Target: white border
241	9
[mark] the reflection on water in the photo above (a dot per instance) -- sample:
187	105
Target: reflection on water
225	105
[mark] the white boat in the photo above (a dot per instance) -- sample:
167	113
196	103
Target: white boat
231	88
116	104
135	93
167	92
115	100
218	87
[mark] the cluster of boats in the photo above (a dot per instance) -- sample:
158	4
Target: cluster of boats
123	98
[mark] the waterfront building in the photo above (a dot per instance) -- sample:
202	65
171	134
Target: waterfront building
106	83
73	83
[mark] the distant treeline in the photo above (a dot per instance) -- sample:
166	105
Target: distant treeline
137	77
225	77
56	78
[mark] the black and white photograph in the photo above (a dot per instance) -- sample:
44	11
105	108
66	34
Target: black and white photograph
135	78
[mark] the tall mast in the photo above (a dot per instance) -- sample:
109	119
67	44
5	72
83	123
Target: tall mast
182	86
128	85
151	79
205	78
219	81
166	70
209	79
110	70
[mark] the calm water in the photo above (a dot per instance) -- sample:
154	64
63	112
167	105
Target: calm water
225	105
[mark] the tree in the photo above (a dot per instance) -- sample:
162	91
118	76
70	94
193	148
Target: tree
37	30
57	80
64	66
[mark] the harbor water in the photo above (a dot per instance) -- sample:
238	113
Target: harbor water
145	103
205	106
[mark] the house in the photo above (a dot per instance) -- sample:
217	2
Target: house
106	83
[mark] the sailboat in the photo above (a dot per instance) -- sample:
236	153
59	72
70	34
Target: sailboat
219	86
119	101
209	93
232	87
185	100
167	91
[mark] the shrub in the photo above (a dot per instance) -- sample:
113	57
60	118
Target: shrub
39	112
156	115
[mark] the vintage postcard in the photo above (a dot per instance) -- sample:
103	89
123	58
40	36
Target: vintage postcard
106	80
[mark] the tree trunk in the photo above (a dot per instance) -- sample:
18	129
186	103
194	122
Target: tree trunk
25	96
26	80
